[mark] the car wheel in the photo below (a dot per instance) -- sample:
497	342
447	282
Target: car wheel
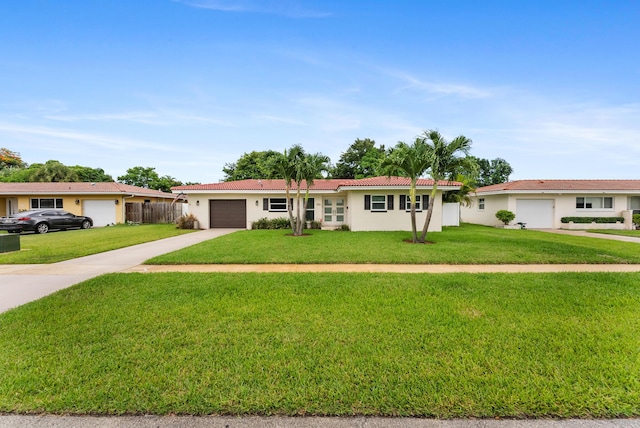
86	224
42	228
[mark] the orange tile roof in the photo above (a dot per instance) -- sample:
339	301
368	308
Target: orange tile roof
563	185
320	184
80	188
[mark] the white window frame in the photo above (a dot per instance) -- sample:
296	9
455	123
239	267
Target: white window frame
381	202
275	205
481	203
408	203
583	203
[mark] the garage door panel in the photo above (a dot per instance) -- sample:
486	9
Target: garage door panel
536	213
101	212
228	213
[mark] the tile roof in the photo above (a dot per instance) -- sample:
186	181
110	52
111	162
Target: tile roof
563	185
320	184
80	188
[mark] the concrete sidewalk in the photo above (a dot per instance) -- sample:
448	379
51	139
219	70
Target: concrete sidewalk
14	421
20	284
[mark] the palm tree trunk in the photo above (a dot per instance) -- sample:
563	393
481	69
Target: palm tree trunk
432	202
290	209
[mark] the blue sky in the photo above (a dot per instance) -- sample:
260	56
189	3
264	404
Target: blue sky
186	86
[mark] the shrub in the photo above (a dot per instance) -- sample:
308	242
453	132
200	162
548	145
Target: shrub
583	220
186	222
343	228
505	216
271	223
314	224
636	220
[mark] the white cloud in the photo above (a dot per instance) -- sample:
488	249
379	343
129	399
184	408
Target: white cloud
81	139
287	8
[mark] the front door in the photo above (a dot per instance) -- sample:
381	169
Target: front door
333	210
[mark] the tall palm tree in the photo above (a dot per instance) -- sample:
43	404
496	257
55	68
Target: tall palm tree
409	161
287	167
311	167
444	163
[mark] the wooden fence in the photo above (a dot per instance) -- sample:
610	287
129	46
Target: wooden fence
152	212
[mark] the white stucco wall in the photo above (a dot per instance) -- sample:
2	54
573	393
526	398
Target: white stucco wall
396	219
564	206
487	216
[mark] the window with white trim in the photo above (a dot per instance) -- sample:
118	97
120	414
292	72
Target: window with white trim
418	203
45	203
594	203
481	204
378	202
278	204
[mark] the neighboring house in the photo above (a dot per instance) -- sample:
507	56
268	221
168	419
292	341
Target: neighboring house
104	202
378	203
541	204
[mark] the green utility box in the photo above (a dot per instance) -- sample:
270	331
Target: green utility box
9	243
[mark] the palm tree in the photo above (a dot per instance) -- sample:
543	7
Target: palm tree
409	161
287	167
444	163
311	167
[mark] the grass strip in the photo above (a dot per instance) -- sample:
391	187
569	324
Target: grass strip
447	346
64	245
467	244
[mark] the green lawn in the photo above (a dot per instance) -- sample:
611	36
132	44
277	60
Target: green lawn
452	345
467	244
58	246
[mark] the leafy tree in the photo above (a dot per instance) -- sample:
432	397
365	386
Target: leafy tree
148	178
362	159
52	171
140	176
93	175
10	159
254	165
493	171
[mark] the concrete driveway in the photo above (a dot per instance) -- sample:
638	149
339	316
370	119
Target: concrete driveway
20	284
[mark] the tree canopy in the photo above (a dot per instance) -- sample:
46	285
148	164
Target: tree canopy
493	171
255	165
10	159
148	178
361	160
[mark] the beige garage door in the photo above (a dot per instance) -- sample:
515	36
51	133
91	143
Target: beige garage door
231	213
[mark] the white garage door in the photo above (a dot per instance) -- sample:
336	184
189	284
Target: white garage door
536	213
101	212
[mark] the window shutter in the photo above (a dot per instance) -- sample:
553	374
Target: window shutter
425	202
389	202
291	203
403	202
265	204
367	202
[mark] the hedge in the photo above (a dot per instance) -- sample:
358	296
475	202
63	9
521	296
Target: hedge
592	219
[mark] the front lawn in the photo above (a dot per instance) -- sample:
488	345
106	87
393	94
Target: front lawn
58	246
467	244
448	346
